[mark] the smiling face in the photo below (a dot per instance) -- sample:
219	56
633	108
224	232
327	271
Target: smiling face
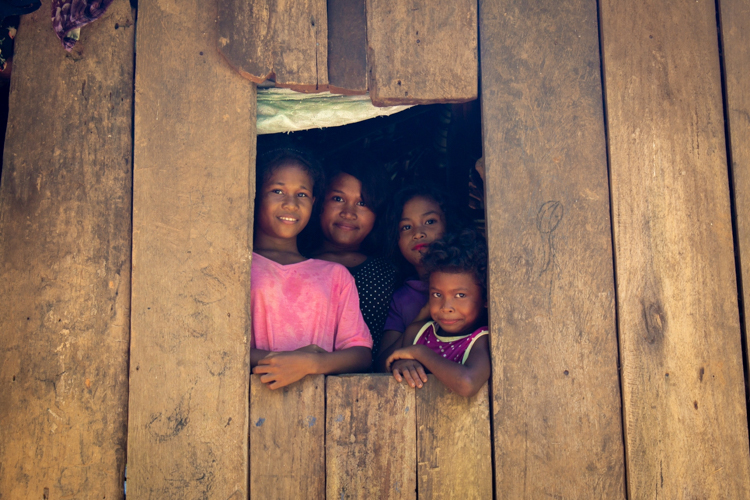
456	302
422	222
346	220
285	202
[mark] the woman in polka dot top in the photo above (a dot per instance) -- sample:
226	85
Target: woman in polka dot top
349	236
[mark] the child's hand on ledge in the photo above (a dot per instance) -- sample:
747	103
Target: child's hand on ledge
404	366
280	369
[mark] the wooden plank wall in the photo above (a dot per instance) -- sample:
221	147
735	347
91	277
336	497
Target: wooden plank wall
453	444
555	398
287	440
347	46
65	261
379	436
735	34
285	40
419	54
683	389
371	438
192	214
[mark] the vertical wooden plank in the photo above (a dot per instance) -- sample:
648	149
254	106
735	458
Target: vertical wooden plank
192	213
370	438
283	40
556	399
65	261
287	440
454	455
422	52
347	46
683	389
735	33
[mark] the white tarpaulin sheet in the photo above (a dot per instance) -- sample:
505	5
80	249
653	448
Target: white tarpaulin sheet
283	110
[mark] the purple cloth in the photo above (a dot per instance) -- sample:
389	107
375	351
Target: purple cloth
71	14
406	303
456	349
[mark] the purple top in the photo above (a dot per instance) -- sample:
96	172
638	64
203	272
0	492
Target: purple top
406	303
454	348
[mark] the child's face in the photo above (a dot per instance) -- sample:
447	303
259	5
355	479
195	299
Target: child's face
456	302
346	220
286	202
422	222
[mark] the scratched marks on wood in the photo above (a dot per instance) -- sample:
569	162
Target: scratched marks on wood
682	378
192	209
284	40
421	52
547	219
287	450
370	438
454	455
556	398
65	261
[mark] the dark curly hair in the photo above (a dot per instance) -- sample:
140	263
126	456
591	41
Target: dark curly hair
453	219
462	252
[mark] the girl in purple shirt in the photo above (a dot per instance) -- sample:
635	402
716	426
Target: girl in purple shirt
453	343
418	215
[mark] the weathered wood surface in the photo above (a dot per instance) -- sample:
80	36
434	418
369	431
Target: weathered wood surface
422	52
556	399
454	446
347	46
683	388
287	440
370	438
192	210
735	33
282	40
65	261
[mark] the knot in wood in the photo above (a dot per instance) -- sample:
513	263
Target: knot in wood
656	322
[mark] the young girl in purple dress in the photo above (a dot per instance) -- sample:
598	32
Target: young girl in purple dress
453	343
417	216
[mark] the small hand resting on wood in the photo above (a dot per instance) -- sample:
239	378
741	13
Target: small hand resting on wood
406	368
279	369
409	363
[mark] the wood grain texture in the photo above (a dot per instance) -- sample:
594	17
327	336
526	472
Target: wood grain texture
282	40
192	213
684	404
555	388
454	445
347	46
287	440
370	438
735	33
65	261
422	52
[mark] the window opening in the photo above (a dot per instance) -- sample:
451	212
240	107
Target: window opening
438	143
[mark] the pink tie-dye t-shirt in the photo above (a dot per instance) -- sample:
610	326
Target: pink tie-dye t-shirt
310	302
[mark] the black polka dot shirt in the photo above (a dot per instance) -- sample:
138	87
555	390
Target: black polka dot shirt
375	279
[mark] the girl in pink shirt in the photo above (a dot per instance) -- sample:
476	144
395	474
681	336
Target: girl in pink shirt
305	312
453	344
